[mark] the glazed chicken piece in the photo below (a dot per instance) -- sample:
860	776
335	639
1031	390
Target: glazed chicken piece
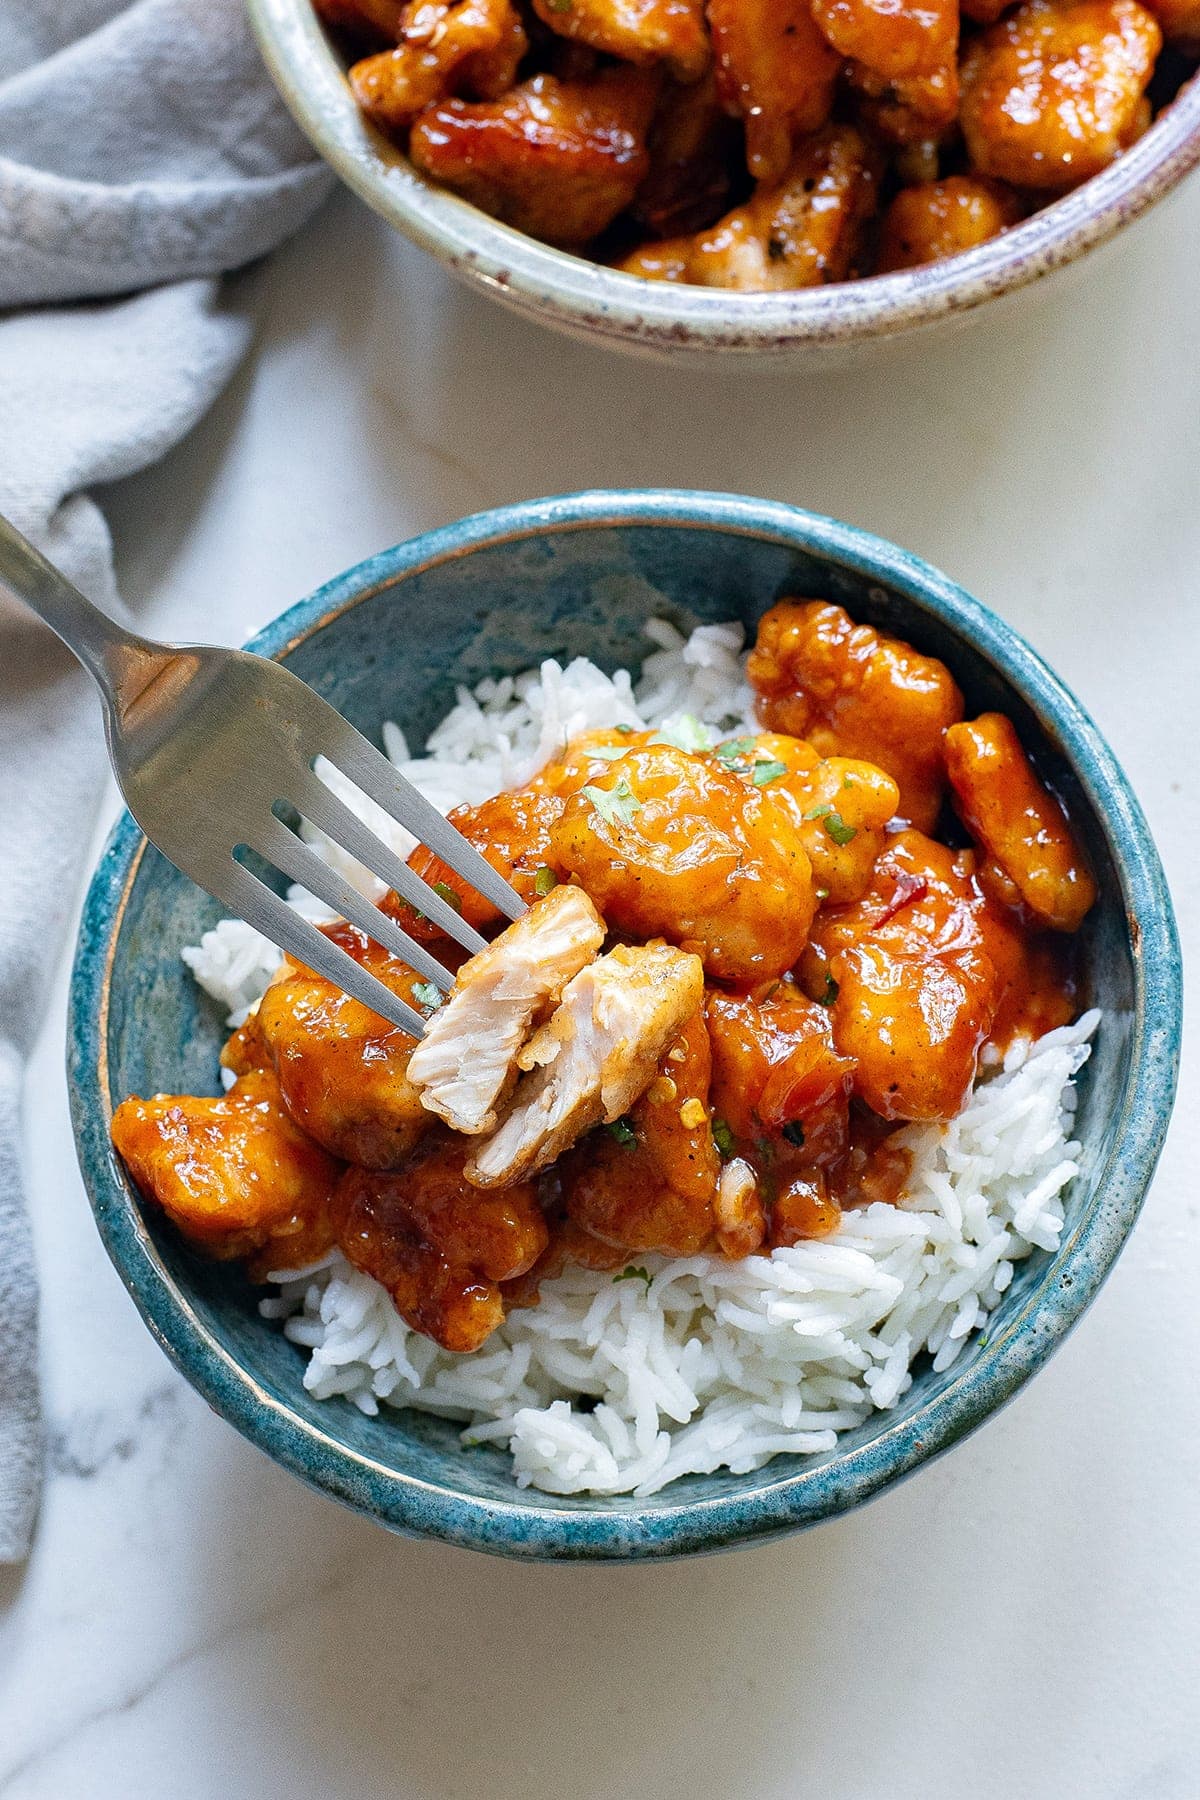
649	1183
1017	822
556	159
444	47
1052	93
693	146
894	41
912	989
512	830
776	71
779	1084
852	691
439	1246
597	1054
908	112
466	1064
235	1174
937	219
342	1069
842	805
675	845
369	19
799	233
637	31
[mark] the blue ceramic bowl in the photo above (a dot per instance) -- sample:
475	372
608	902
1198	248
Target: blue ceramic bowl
493	595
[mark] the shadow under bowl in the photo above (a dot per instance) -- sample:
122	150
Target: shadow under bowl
492	595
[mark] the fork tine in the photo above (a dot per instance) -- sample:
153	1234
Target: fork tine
370	770
294	858
253	901
323	809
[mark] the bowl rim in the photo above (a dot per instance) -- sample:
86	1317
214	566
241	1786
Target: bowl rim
797	1496
576	295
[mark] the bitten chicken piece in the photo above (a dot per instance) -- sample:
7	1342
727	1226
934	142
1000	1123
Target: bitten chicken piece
234	1174
693	144
943	218
649	1182
437	1244
557	159
512	831
893	40
799	233
1052	93
912	987
342	1069
638	31
598	1052
674	845
777	1073
445	47
466	1063
776	71
852	691
1017	822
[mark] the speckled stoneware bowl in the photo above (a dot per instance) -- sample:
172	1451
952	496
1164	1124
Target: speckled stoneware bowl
659	318
492	595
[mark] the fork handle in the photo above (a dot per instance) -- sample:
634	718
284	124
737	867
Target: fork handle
120	661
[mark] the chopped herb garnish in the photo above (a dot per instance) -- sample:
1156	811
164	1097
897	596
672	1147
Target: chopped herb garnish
607	752
794	1133
847	781
426	994
983	1342
624	1133
624	729
632	1274
768	771
835	825
733	748
684	733
831	992
616	806
544	881
445	892
723	1138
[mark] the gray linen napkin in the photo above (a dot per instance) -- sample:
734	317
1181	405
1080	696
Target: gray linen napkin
141	145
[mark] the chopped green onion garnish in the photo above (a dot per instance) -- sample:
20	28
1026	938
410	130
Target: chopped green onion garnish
684	733
426	994
831	992
768	771
616	806
544	880
607	752
445	892
624	1133
839	831
635	1275
723	1138
733	748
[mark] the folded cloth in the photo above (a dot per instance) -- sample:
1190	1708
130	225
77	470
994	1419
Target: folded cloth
141	148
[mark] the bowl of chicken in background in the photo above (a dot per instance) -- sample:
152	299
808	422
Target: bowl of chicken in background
663	201
614	577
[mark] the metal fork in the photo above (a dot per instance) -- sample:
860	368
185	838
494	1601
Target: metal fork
209	745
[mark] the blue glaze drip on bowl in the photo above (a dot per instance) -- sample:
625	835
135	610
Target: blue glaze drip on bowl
579	575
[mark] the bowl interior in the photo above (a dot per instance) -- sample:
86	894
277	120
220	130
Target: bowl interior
390	641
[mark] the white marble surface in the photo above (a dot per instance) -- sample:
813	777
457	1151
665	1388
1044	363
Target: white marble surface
1021	1620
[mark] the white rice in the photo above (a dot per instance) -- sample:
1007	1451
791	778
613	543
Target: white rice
621	1384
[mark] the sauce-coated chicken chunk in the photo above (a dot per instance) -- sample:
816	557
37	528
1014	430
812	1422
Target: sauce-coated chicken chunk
800	232
1053	92
914	991
445	47
557	159
852	691
650	1181
235	1174
937	219
1017	822
776	70
638	31
671	845
844	804
343	1070
893	38
777	1073
512	832
439	1246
